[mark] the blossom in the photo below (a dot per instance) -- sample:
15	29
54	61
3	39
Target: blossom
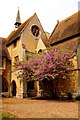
50	64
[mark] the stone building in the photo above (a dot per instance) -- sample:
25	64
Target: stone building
66	36
28	37
5	71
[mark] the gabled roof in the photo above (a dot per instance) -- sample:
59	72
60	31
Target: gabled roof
66	28
16	33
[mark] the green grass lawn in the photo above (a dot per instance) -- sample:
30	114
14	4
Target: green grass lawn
5	115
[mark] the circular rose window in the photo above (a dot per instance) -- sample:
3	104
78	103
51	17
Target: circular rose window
35	30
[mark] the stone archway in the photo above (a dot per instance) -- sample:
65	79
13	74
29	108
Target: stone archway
13	88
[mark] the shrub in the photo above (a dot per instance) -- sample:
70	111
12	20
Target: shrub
78	98
5	115
69	95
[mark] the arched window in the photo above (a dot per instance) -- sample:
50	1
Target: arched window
13	88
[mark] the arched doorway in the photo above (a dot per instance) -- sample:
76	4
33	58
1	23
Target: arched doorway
30	88
13	88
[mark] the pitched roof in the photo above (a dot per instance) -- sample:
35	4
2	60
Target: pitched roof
66	28
16	33
4	50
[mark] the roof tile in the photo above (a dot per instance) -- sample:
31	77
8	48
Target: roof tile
66	28
16	33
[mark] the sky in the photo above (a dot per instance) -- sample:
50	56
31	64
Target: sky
48	11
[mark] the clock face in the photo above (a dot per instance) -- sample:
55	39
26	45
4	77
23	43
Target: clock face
35	30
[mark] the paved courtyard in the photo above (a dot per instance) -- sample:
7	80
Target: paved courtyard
27	108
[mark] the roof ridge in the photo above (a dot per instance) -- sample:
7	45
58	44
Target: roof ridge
54	30
10	34
24	23
66	28
30	18
69	16
58	24
19	30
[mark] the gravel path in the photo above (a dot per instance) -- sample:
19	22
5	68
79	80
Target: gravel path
27	108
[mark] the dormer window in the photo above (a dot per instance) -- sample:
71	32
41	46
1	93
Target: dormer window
35	30
15	44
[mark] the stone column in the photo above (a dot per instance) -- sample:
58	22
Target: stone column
37	87
23	89
10	90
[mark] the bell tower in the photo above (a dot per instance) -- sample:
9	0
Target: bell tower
18	19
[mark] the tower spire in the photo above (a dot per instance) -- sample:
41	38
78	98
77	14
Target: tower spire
18	19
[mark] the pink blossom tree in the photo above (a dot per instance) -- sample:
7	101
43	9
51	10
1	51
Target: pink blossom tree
52	66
